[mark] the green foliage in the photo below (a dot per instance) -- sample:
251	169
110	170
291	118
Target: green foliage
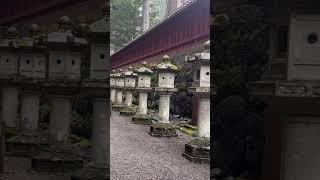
125	20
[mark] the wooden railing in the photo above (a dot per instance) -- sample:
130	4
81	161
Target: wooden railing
187	27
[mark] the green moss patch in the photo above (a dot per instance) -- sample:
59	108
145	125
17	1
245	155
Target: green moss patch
164	126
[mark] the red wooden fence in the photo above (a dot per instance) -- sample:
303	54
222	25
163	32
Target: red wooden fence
187	27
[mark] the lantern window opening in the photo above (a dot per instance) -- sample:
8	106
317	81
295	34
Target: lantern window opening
102	56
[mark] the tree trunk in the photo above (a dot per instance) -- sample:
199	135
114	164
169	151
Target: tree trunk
172	6
145	15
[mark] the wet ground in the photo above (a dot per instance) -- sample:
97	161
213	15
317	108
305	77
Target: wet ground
135	155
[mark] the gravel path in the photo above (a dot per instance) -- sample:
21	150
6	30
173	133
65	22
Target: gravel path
135	155
18	169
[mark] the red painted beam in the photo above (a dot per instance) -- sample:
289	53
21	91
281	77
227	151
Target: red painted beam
187	28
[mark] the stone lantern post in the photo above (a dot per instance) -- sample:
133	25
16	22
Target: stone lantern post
143	88
8	71
129	83
97	87
119	76
166	74
32	72
198	150
112	86
65	52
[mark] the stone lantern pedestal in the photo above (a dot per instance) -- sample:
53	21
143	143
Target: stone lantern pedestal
61	156
164	128
142	116
129	110
29	141
118	106
198	149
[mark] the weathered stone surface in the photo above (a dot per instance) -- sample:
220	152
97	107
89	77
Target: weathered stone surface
26	145
118	107
128	111
197	151
91	173
56	163
142	119
163	130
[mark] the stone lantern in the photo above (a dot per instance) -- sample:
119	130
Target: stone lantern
8	71
65	52
97	88
143	88
129	86
119	77
166	74
198	150
32	72
112	86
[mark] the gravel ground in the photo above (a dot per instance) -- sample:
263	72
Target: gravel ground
18	169
135	155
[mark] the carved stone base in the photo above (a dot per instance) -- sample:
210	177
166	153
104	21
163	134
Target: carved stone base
142	119
91	173
56	162
163	130
197	151
118	107
127	112
26	145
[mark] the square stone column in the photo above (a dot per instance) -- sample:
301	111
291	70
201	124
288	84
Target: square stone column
164	108
60	119
30	105
113	93
10	103
143	103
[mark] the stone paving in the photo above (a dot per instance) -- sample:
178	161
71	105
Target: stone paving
135	155
18	169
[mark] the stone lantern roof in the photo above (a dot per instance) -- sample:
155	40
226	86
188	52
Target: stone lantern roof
166	65
203	57
10	38
12	33
113	74
119	74
130	73
64	36
100	29
144	69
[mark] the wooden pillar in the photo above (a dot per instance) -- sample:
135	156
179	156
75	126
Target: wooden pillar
195	110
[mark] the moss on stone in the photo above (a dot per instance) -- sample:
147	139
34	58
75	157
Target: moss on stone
142	116
200	142
164	126
85	143
187	131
